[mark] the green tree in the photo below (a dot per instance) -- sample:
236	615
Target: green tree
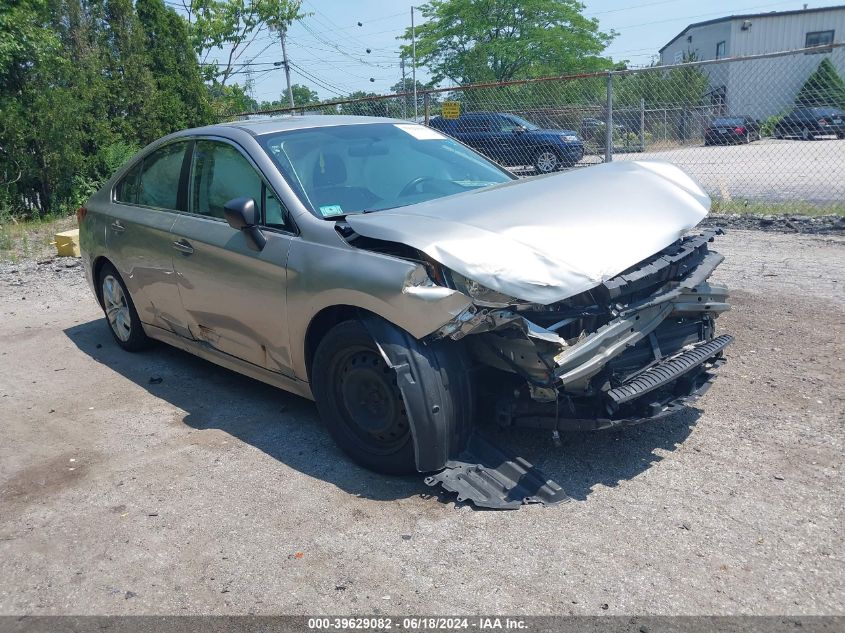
684	86
403	107
366	106
84	84
302	96
182	99
132	87
231	99
230	27
469	41
823	88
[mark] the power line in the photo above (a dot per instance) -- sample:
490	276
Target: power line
703	15
638	6
308	76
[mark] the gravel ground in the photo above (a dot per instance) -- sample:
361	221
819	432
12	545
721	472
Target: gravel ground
834	224
207	492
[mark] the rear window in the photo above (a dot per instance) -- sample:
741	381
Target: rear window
160	175
126	190
828	112
729	121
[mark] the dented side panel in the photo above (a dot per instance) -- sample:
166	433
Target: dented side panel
321	276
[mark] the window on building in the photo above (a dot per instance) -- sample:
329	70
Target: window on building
819	38
679	57
720	50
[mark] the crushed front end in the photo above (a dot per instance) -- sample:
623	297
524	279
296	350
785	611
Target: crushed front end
633	348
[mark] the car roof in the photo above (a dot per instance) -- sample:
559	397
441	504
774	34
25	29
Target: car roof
269	125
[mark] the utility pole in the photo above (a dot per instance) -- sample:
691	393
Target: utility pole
282	33
414	61
404	88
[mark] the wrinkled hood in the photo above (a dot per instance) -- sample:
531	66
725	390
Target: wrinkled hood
548	238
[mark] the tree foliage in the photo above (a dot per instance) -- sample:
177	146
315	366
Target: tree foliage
83	85
302	95
230	27
469	41
685	86
823	88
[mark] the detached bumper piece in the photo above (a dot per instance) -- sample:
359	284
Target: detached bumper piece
668	370
491	478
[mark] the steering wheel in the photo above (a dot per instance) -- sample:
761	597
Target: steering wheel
411	187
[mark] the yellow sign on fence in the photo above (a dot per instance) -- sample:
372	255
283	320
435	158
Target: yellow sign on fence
451	109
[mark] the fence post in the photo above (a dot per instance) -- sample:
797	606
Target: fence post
608	121
642	124
426	106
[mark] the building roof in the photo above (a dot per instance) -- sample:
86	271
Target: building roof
748	16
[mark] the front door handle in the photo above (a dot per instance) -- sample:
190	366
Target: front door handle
117	227
183	246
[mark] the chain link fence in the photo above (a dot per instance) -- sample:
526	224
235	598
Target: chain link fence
761	133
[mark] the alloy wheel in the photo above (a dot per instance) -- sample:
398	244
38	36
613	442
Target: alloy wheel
547	161
117	308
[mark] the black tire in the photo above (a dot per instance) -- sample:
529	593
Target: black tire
441	398
124	323
375	431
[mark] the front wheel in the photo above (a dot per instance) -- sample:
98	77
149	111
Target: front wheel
358	398
546	161
120	311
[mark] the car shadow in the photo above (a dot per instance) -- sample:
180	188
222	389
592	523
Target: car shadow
287	428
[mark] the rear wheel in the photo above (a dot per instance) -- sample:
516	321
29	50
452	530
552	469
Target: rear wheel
120	311
546	161
359	399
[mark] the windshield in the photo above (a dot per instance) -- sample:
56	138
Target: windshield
337	170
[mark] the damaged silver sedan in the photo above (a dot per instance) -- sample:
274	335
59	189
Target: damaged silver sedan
412	288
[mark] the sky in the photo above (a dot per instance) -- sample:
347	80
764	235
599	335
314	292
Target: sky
327	49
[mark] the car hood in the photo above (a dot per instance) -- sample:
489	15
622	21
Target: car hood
548	238
547	133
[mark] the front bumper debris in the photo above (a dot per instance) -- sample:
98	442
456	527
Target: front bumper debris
669	370
491	478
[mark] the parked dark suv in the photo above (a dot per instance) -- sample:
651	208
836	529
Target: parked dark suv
732	129
511	140
808	123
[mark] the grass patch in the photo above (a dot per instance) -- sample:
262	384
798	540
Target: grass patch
748	207
31	239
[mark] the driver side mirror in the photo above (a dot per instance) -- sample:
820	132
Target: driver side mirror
242	215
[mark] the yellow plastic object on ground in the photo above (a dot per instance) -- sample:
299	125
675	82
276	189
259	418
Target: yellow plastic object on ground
67	243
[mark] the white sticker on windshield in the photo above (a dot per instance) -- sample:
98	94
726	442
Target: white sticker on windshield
328	210
420	132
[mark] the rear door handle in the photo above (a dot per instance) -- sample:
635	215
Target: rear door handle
183	246
117	227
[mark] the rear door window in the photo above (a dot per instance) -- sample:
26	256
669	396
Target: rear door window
160	175
126	190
